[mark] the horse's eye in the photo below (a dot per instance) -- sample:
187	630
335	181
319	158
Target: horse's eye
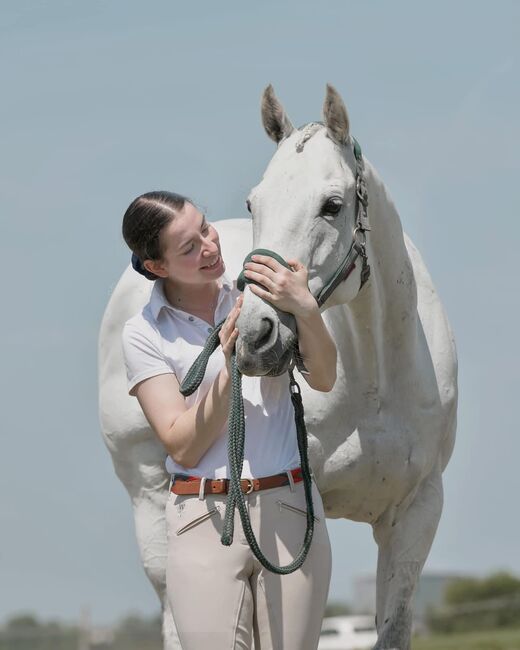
248	206
332	206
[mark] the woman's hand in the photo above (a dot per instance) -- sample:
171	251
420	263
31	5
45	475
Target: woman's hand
228	332
285	289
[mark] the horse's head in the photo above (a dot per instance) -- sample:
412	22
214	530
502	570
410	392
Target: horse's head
304	207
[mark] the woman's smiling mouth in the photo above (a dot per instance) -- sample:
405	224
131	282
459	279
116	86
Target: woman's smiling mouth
211	266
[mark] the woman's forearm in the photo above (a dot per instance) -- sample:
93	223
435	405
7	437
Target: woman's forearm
193	432
197	428
317	349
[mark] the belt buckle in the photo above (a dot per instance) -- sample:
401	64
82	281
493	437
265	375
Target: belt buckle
250	486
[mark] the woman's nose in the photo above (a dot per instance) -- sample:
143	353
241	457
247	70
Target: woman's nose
210	248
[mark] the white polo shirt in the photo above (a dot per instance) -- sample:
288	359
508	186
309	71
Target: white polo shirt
163	339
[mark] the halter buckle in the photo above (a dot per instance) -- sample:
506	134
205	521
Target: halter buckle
250	486
361	191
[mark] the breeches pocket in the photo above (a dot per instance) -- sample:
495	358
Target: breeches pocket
185	513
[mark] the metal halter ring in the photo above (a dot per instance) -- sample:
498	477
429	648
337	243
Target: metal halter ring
358	229
250	486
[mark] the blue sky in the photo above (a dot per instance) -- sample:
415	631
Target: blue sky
105	100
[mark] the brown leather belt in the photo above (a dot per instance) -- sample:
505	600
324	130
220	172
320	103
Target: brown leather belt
184	484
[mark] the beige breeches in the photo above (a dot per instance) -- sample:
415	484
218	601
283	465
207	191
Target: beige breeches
221	596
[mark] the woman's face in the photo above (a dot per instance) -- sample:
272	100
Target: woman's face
189	245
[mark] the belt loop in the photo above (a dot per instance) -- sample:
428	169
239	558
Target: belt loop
291	480
201	489
172	481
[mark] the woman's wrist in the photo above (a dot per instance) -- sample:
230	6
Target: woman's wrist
307	309
225	373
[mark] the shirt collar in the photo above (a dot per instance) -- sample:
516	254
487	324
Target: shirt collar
158	300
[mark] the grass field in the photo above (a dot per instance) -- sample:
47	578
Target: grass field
492	640
508	639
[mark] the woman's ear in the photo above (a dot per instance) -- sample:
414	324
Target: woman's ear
156	267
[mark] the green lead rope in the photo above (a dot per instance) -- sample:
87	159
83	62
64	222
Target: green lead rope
236	439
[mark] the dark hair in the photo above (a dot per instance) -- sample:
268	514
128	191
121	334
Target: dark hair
143	222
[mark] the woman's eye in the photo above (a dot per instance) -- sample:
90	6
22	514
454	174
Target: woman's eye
189	250
332	206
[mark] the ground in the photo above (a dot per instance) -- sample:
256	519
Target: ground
492	640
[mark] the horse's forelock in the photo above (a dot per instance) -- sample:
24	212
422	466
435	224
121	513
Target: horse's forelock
306	132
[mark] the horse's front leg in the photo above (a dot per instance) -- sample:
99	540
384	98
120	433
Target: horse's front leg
169	631
404	544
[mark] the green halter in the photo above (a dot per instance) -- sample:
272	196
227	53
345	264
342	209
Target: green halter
357	247
242	280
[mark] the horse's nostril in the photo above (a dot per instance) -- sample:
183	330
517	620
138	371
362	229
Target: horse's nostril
266	329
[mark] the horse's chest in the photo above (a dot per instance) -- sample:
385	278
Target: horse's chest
363	468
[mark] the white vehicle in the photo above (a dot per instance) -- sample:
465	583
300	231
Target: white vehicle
348	633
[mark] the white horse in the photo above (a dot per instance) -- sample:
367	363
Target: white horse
379	441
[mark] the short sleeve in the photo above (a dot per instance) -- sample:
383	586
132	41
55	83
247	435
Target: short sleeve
143	358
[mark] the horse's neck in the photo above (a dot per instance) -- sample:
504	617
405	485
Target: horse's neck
382	320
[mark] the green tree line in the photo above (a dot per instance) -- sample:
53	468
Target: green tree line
472	604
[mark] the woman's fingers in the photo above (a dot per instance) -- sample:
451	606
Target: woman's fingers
229	318
231	340
227	347
230	321
229	332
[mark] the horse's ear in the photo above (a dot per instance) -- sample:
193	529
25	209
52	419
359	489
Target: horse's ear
276	123
335	116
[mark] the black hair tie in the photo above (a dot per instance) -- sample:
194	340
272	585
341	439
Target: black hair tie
137	265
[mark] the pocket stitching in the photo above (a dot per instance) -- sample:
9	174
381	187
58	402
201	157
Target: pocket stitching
196	521
298	511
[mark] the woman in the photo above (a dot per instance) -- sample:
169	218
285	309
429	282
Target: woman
221	595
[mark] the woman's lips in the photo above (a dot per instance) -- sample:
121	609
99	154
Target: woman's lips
213	266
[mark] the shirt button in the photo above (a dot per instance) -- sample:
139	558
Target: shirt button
210	329
191	318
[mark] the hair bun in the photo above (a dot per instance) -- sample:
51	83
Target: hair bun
137	265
